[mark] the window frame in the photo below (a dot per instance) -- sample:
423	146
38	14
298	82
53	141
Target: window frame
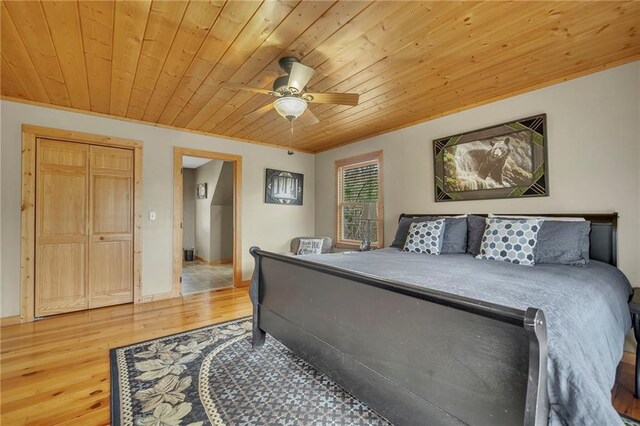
351	162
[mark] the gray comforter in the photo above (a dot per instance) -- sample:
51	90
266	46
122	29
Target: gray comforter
586	310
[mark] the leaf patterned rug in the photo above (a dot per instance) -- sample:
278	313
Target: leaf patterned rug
210	376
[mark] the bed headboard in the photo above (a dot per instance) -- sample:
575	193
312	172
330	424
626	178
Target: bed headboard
603	237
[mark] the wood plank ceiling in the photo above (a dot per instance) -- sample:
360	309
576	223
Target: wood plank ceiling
164	61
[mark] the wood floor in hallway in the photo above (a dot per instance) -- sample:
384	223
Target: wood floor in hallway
56	371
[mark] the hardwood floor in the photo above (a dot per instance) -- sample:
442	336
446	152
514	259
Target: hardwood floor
623	399
56	371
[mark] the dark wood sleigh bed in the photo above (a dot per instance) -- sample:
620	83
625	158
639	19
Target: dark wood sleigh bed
326	316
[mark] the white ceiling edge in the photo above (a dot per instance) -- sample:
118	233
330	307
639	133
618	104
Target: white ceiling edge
193	162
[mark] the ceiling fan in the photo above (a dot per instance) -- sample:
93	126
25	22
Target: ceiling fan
292	95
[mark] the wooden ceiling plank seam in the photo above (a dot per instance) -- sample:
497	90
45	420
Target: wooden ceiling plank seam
57	56
193	35
379	69
63	22
346	26
25	71
191	82
473	74
277	47
125	104
228	65
240	113
213	25
236	99
387	129
372	44
127	41
39	50
175	122
391	87
351	31
10	84
315	87
224	97
96	27
366	94
381	118
450	67
141	94
359	106
261	25
241	118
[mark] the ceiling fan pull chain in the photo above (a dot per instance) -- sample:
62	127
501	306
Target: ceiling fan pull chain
290	152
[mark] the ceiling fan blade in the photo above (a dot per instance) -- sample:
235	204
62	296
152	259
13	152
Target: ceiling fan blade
256	114
308	119
350	99
299	76
238	86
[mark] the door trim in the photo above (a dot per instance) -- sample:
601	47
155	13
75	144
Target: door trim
30	134
178	153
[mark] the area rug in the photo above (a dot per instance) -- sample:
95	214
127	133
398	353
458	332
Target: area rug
210	376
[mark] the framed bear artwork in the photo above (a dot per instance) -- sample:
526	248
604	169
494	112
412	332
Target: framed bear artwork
508	160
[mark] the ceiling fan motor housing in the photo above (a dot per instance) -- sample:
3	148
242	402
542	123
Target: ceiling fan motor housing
280	84
287	62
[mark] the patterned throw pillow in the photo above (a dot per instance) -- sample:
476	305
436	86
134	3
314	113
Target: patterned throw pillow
425	237
310	246
510	240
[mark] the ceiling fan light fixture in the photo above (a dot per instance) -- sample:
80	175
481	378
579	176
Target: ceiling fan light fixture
290	106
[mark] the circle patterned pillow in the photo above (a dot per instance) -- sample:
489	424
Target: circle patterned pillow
425	237
510	240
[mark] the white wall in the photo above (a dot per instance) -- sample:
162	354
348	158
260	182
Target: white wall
593	150
221	245
208	173
266	225
188	208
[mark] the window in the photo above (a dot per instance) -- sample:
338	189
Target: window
359	182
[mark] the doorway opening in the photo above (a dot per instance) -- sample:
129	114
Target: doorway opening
206	211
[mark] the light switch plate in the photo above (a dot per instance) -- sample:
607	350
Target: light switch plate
152	215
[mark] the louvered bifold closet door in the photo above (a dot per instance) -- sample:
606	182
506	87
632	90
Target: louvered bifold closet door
111	226
62	201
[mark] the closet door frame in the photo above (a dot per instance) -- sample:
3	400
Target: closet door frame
30	136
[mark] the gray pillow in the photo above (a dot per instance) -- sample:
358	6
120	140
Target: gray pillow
475	232
510	240
454	240
564	243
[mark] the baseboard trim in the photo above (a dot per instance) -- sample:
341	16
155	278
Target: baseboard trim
629	358
213	262
159	296
243	284
7	321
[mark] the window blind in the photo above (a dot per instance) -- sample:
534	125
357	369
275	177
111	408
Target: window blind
358	184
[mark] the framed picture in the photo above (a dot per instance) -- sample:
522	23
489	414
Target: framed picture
201	190
283	187
504	161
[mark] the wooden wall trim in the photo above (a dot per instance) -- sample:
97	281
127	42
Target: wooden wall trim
178	153
7	321
30	134
157	296
361	158
146	123
27	227
80	137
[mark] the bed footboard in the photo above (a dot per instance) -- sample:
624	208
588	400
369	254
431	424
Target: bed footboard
414	355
